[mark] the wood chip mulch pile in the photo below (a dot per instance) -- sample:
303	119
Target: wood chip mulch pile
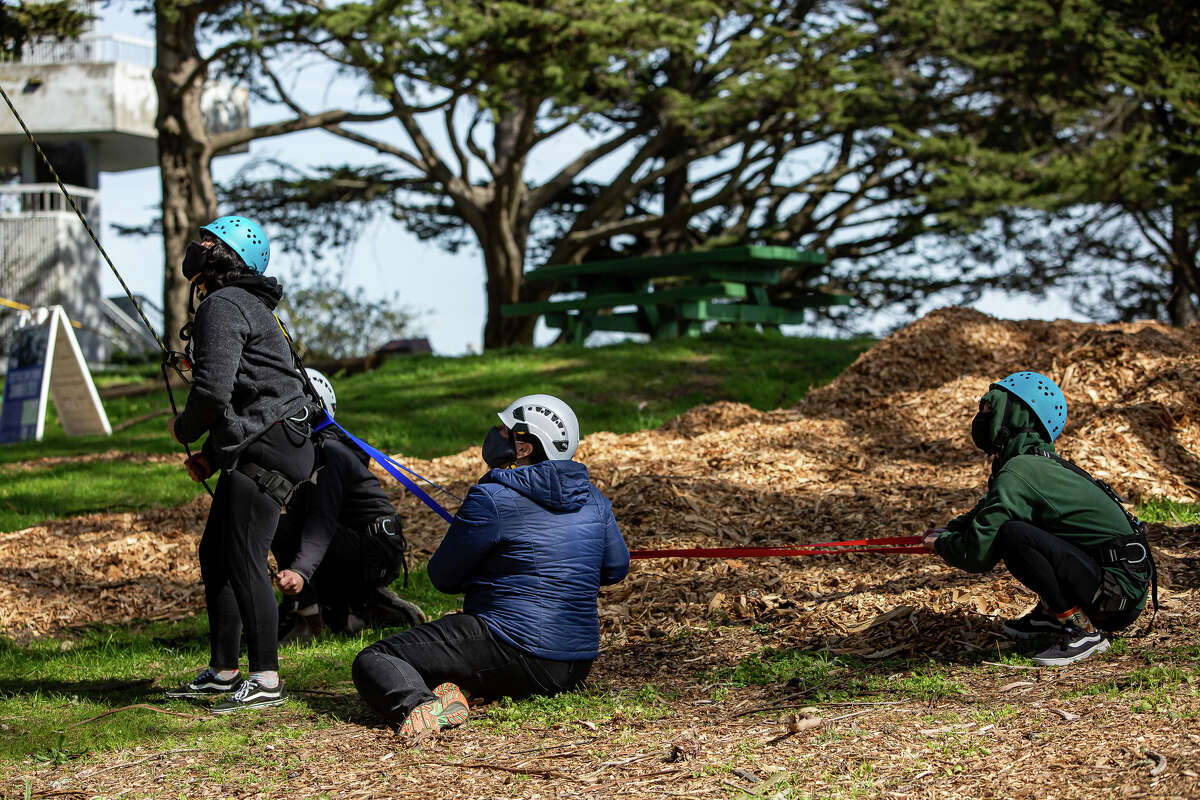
882	451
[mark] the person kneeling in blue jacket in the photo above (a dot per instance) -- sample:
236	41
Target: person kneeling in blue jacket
531	545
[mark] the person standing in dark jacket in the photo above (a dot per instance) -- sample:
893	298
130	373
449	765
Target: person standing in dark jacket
341	542
248	399
531	545
1060	532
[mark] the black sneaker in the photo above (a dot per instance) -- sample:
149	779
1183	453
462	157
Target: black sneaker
206	684
304	629
385	609
1074	645
1035	623
251	694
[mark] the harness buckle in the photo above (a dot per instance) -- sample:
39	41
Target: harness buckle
1142	547
274	484
383	525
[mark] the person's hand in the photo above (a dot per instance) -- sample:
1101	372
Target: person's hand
171	429
198	468
290	582
931	537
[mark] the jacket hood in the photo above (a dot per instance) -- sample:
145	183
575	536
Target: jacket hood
265	288
553	485
1025	431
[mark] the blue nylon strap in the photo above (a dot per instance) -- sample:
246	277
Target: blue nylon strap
394	469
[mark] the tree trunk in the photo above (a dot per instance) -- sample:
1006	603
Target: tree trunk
504	259
189	199
505	236
1185	274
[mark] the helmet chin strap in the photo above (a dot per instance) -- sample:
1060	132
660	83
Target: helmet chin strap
185	332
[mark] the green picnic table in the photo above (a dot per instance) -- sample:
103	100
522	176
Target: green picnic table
674	295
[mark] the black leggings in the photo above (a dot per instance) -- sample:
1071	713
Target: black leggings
233	553
395	675
1060	573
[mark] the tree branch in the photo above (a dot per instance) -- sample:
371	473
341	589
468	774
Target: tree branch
448	119
473	145
224	141
380	147
567	175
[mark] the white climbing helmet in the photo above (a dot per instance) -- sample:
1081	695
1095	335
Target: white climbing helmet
549	419
324	390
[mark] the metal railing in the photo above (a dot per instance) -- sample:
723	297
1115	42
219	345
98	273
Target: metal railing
89	49
25	199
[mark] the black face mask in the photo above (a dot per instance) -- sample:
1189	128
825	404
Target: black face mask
195	259
981	431
498	450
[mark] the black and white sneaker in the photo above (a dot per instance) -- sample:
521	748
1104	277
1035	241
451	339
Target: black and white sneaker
1074	645
1035	623
251	694
206	684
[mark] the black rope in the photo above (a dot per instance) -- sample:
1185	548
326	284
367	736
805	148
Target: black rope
96	241
83	219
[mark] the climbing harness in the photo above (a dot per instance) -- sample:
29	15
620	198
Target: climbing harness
170	358
387	534
1131	553
275	484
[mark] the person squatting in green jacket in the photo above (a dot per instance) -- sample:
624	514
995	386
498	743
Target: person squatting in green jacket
1060	532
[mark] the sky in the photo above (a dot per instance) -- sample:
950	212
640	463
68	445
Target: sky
446	290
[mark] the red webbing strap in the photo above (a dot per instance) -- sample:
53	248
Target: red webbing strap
893	544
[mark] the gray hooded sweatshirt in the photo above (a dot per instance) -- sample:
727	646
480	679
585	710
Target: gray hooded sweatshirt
243	377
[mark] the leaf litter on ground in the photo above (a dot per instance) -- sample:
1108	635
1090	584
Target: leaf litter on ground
884	450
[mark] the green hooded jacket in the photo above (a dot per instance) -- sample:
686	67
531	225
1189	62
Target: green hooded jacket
1032	488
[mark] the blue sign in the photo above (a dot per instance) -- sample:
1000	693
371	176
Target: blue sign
23	411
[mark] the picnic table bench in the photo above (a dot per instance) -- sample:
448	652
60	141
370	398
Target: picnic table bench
674	295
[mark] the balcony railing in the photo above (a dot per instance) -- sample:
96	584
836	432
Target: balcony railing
89	49
26	199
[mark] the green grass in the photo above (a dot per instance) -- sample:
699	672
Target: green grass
838	678
593	703
1168	512
1155	688
52	690
797	667
428	406
52	684
28	497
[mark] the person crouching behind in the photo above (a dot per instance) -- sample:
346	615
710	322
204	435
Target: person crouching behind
1060	532
341	543
530	547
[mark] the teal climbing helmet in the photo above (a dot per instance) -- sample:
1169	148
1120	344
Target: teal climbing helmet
1043	397
246	239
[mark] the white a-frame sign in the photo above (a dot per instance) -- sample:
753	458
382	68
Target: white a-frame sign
45	360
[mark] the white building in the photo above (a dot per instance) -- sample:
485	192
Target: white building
91	104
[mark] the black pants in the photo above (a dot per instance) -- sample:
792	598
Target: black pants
1060	573
396	675
233	553
352	565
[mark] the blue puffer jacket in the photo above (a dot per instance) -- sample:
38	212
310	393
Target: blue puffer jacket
530	547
